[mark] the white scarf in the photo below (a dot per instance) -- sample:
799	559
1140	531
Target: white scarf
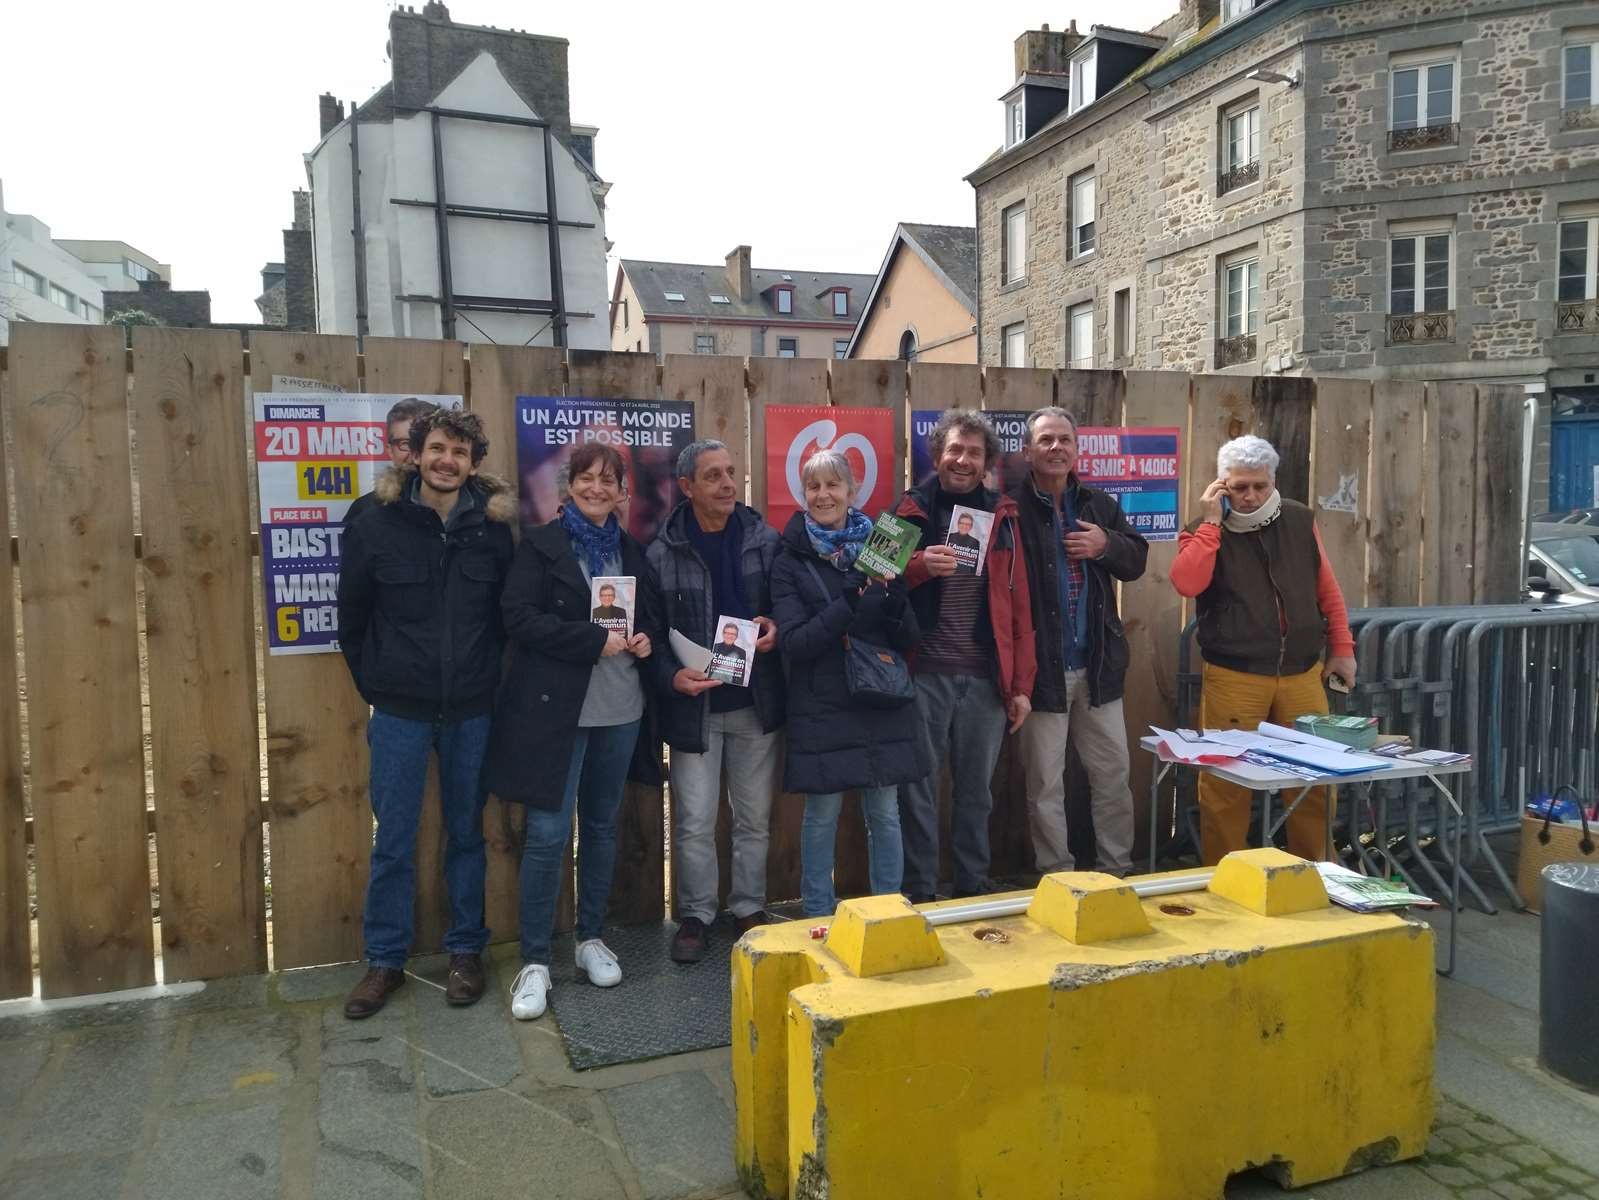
1251	522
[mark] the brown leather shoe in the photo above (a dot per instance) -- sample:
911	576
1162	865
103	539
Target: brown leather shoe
372	993
466	983
759	917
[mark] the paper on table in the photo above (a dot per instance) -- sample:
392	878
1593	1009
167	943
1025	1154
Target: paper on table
691	654
1177	748
1289	734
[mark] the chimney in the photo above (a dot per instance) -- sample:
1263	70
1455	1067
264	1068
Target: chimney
302	209
332	112
738	274
1196	14
1045	51
434	11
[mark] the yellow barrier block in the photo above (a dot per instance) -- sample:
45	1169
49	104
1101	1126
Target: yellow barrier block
1086	907
1270	882
1144	1068
879	935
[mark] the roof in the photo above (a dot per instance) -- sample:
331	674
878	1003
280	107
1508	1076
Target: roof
697	283
950	252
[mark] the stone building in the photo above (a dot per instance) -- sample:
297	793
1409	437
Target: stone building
1402	189
459	200
688	308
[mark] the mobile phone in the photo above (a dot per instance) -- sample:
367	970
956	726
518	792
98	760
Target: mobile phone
1226	504
1337	683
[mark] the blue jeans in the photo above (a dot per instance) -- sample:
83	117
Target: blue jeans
594	783
818	832
400	750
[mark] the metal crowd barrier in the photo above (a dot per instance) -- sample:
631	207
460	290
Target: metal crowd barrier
1514	686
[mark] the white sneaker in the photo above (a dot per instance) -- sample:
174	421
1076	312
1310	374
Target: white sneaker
530	991
594	959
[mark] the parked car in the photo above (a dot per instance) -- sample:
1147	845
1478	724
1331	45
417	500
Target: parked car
1563	562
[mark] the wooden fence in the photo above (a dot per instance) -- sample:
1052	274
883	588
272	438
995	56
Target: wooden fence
141	641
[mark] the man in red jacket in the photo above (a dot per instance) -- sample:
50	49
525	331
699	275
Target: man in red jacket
976	661
1269	607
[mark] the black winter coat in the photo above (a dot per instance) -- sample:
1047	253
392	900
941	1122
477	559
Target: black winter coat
686	591
419	607
835	744
554	647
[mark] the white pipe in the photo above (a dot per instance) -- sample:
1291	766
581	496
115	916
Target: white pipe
985	910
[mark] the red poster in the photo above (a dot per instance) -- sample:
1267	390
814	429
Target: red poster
865	436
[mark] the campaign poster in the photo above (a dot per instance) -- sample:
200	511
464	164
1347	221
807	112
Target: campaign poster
315	452
611	601
733	652
865	436
648	434
968	537
1137	466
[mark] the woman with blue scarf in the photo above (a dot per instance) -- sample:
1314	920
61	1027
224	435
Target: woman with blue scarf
566	733
835	742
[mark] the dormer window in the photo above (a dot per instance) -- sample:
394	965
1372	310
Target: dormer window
1231	10
783	300
1084	72
1015	122
840	302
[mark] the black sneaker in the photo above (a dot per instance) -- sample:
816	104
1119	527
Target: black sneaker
984	887
748	922
690	941
921	898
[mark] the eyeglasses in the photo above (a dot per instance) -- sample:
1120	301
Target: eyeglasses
399	443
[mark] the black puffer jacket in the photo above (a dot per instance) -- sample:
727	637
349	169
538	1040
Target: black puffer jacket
419	606
835	744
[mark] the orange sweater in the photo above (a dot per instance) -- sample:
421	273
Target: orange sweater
1196	562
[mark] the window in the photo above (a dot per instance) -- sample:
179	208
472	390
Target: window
785	300
63	298
626	320
1080	327
1579	65
1240	156
27	280
1082	213
719	299
1084	72
1231	10
1420	267
91	313
1015	123
841	304
137	270
1422	110
1243	297
787	347
704	343
1579	259
1013	345
907	346
675	297
1121	313
1013	244
840	347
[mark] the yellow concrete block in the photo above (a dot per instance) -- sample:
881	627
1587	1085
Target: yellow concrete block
879	935
1147	1068
1086	907
1270	882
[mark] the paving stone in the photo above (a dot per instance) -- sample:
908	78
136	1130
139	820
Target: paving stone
381	1038
1510	1190
1459	1137
1489	1166
465	1049
1450	1113
98	1098
208	1152
1528	1155
24	1058
543	1144
650	1117
1492	1133
351	1173
1539	1186
319	983
1570	1176
1402	1181
1455	1177
81	1176
239	1055
367	1114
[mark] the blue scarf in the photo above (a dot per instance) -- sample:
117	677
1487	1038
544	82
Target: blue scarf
594	544
840	546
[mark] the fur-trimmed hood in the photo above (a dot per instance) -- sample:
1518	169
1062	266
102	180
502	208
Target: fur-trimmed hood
497	494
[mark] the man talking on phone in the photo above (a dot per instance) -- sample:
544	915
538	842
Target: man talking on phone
1269	608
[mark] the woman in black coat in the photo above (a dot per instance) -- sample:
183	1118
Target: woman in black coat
567	721
835	743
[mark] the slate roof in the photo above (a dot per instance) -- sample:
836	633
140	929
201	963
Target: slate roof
698	283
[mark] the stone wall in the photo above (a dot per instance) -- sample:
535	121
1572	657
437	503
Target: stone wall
185	310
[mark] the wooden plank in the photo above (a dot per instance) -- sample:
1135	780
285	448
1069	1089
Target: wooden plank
1284	414
1449	515
1017	389
16	955
1393	562
784	381
1094	398
1152	612
496	376
190	439
1223	408
74	495
321	834
938	387
428	368
1501	428
1341	479
638	887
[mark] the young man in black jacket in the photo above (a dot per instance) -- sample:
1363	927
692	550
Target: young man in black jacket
419	624
1077	544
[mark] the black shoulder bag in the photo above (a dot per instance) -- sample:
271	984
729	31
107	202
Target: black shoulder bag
877	676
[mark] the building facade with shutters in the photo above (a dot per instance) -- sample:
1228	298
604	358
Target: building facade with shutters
734	308
1382	188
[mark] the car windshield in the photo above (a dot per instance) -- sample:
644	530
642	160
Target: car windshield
1577	555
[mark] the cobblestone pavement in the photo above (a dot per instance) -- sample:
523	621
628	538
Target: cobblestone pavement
1478	1158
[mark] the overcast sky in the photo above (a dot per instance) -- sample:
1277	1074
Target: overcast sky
806	130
